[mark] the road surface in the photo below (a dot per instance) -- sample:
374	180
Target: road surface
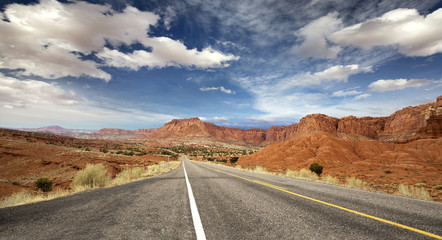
231	204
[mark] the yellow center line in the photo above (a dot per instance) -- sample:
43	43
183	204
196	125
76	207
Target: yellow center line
329	204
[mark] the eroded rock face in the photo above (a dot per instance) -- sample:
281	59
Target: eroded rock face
366	126
317	123
410	123
195	129
371	161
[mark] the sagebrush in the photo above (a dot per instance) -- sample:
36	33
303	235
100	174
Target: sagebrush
91	176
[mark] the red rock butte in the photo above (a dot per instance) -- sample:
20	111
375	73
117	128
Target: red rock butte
410	123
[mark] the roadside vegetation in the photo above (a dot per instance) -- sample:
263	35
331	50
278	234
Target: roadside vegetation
315	174
213	153
91	177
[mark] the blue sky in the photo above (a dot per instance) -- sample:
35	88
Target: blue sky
138	64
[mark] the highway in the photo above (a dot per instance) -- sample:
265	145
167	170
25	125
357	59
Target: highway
229	204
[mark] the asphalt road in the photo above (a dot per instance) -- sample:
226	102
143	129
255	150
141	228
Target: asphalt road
232	204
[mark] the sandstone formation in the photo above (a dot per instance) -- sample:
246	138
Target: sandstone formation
382	165
410	123
195	130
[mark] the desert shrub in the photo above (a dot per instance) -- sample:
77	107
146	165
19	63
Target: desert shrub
316	168
292	173
234	160
162	164
104	150
330	180
307	175
128	175
43	184
261	169
388	171
414	192
238	167
16	199
356	183
92	176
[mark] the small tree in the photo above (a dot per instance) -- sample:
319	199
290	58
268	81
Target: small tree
44	184
316	168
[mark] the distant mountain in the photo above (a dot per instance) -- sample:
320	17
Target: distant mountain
57	130
410	123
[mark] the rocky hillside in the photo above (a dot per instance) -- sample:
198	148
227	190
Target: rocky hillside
410	123
383	165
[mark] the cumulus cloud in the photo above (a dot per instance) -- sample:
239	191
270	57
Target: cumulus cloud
166	52
338	73
343	93
412	33
50	39
222	89
315	38
16	93
396	84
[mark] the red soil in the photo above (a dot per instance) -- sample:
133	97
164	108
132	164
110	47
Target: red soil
26	157
382	164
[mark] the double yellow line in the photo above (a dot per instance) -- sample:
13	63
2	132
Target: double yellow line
330	204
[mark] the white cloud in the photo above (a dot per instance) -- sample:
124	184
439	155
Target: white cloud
87	116
214	119
166	52
47	104
365	95
396	84
338	73
16	93
315	38
260	120
222	89
406	29
343	93
49	38
279	97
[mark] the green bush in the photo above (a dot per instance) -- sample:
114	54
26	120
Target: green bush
103	150
43	184
234	160
92	176
316	168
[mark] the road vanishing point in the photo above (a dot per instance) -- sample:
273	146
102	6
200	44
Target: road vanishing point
206	201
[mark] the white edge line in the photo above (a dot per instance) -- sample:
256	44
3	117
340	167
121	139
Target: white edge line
195	215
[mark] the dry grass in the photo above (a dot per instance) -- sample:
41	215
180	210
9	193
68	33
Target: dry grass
93	176
89	178
330	180
308	175
260	169
28	197
292	173
414	192
356	183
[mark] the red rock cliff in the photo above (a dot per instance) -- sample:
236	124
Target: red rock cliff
410	123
